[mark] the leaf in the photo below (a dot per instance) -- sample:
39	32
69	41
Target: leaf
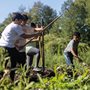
29	86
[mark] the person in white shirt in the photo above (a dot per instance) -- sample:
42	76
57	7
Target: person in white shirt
72	49
9	37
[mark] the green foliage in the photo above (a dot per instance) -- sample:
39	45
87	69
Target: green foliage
40	11
3	58
76	17
36	11
2	26
5	23
84	50
60	81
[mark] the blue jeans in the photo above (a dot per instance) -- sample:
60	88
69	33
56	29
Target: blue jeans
69	58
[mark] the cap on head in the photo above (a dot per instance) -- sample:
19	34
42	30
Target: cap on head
17	15
76	34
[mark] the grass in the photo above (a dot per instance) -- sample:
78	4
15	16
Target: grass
80	80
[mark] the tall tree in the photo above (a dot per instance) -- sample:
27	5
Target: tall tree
74	18
40	11
36	11
22	9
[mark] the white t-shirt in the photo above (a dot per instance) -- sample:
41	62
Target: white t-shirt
10	35
72	44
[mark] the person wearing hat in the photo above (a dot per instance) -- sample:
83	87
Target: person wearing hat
8	38
72	49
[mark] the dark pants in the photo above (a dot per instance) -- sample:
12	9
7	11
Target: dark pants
15	57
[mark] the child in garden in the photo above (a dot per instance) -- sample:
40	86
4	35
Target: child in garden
72	49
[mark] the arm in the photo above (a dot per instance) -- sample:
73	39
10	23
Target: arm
30	35
75	55
73	52
39	29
